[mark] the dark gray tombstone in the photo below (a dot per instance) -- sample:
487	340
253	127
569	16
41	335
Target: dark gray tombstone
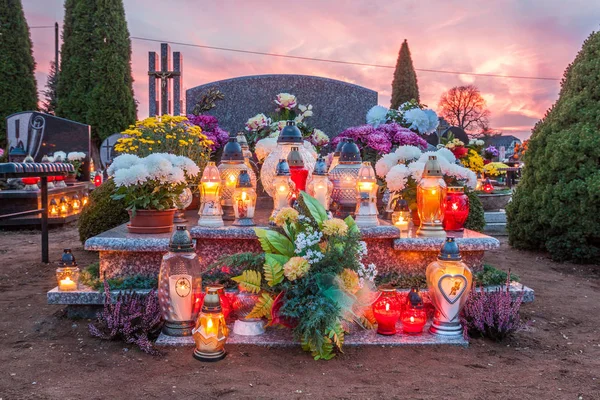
107	149
337	105
39	134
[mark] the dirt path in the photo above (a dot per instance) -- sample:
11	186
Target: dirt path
43	355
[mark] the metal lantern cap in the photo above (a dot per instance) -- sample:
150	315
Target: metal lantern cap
211	173
212	302
53	202
244	180
241	139
450	251
350	154
282	169
68	259
28	159
415	298
432	168
290	134
338	148
232	151
181	241
456	189
401	205
320	167
63	199
294	158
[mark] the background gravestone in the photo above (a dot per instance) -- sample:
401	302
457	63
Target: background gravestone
39	134
107	149
337	105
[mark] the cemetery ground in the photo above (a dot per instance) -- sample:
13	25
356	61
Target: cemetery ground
45	355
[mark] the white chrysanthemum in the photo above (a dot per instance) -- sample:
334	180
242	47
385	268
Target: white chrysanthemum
159	167
264	147
123	161
397	177
311	149
135	175
408	153
471	179
60	154
433	120
76	156
377	115
176	176
385	163
480	142
417	119
189	167
416	170
447	154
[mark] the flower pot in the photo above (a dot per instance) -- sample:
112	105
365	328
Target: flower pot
494	201
151	221
71	178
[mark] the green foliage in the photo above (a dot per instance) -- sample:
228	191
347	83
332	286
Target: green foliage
90	276
476	218
208	101
96	83
50	101
18	88
315	209
227	266
556	206
249	281
404	85
262	308
102	213
273	268
491	276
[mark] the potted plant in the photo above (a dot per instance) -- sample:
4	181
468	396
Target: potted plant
75	158
150	187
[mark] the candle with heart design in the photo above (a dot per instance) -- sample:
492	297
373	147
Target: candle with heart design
449	282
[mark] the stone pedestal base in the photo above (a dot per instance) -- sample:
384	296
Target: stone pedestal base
447	329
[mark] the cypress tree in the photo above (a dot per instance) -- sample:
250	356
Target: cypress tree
18	88
49	103
556	206
404	85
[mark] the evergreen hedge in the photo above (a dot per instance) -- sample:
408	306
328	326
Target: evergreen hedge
556	206
404	85
102	213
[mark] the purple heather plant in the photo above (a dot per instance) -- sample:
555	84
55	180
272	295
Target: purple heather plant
133	317
490	152
210	127
494	315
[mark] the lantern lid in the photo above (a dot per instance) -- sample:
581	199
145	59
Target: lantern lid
350	154
282	169
244	180
53	202
28	159
232	152
294	158
338	148
45	159
401	205
212	302
63	199
456	189
68	259
366	172
75	197
320	167
450	251
241	139
387	289
18	151
211	173
290	134
414	298
181	241
432	168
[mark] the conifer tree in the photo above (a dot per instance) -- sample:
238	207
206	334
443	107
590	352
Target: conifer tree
556	206
18	88
404	85
49	103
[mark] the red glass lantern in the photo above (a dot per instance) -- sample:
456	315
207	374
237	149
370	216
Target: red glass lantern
31	182
456	209
98	179
387	311
299	173
487	186
414	316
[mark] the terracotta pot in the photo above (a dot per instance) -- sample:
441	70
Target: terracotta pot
151	221
71	178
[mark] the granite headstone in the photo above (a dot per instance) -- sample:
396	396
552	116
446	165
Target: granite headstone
39	134
107	149
337	105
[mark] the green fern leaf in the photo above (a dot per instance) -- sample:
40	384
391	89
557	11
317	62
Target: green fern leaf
337	335
249	280
264	241
274	268
262	308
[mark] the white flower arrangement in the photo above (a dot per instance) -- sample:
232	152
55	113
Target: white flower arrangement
76	156
285	101
305	111
409	115
60	155
402	153
264	147
257	122
377	115
397	177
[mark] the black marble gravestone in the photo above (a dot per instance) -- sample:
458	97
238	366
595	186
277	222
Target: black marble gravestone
39	134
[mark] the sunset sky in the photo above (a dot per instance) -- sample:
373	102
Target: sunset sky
520	37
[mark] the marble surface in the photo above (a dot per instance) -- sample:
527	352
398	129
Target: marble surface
83	296
467	241
284	338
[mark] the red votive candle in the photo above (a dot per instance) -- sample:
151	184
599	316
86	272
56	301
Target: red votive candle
413	320
387	311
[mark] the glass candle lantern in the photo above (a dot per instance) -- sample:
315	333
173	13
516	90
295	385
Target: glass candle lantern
244	201
456	209
335	160
63	206
31	183
98	178
75	203
210	333
344	176
319	186
284	188
414	316
53	208
487	186
241	139
401	216
210	211
180	285
85	199
290	136
431	193
449	281
59	181
298	173
182	202
67	275
366	188
386	310
243	304
232	164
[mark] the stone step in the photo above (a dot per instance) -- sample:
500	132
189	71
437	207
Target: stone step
495	229
495	217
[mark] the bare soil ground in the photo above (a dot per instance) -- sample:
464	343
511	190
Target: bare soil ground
44	355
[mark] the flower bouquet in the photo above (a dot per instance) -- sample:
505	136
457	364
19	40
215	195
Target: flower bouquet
490	153
410	115
150	187
313	280
76	158
210	128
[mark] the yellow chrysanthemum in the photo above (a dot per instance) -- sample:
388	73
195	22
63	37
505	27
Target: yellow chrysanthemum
286	214
295	268
350	280
335	226
473	161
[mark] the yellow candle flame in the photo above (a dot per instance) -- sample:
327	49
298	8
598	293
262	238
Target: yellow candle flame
412	319
387	306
